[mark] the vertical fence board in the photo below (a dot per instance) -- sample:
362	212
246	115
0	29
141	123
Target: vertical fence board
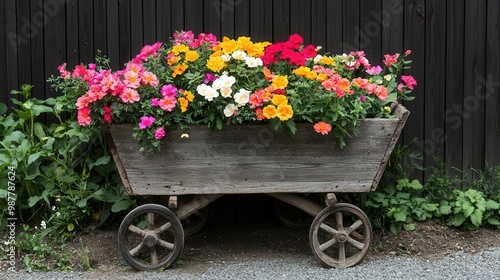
163	21
217	13
261	17
300	19
414	39
124	31
319	23
350	26
25	29
136	27
37	61
177	15
100	29
454	86
392	21
149	22
193	15
72	41
474	70
435	62
242	14
86	31
370	30
4	44
492	85
281	20
13	41
334	26
113	33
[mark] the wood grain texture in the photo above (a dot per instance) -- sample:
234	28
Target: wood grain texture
255	159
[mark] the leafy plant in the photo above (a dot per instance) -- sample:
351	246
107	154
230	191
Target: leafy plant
64	174
469	208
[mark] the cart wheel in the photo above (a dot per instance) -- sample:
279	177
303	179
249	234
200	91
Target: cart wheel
194	223
150	237
340	235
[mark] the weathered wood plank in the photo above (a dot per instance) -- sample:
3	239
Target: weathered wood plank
113	34
255	159
86	31
261	18
4	44
300	19
281	20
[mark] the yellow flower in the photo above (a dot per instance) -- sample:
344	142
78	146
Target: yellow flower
179	69
279	100
302	71
177	49
191	56
188	95
228	46
269	111
280	82
184	103
173	60
321	77
327	60
284	112
215	63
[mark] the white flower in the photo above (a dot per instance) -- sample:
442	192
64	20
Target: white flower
211	93
226	57
253	61
54	208
185	135
58	199
242	97
224	81
58	214
226	92
239	55
203	89
388	77
43	225
231	109
317	58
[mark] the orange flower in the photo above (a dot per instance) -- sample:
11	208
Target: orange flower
322	127
215	63
284	112
269	111
192	56
279	100
179	69
184	103
188	95
280	82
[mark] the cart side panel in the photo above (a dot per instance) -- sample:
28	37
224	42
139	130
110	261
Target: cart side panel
255	159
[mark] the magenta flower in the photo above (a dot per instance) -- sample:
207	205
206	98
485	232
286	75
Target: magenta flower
169	90
409	81
155	102
362	98
375	70
159	133
209	78
146	122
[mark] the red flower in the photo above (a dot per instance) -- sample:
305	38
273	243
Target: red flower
309	51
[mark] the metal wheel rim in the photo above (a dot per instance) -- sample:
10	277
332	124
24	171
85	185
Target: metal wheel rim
150	237
340	235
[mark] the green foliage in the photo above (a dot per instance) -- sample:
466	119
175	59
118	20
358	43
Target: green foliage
63	172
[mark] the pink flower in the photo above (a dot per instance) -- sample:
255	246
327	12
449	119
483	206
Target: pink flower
168	103
155	102
322	127
84	118
79	71
375	70
64	73
391	59
107	114
150	78
362	98
381	92
130	95
146	122
209	78
159	133
168	90
132	79
409	81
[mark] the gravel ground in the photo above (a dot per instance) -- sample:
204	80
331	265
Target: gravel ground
483	265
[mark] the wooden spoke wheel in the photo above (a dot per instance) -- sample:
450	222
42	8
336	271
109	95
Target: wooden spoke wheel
150	237
340	235
194	223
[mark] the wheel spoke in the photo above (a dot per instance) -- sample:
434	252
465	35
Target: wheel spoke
356	244
154	256
165	244
339	218
136	230
342	252
136	250
164	228
151	220
327	244
328	228
354	226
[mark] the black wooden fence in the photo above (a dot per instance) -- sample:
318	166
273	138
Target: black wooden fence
455	50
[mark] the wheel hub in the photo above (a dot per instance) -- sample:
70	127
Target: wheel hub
341	237
150	240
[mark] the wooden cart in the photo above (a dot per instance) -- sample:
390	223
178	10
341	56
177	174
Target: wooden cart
252	159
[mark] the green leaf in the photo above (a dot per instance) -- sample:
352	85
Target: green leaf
120	206
491	204
82	203
3	108
100	161
33	200
403	195
14	137
458	220
3	193
445	209
416	185
39	131
409	227
4	157
219	124
33	157
70	227
39	109
493	221
400	217
431	206
395	228
476	217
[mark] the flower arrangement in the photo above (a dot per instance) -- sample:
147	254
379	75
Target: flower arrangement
200	80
